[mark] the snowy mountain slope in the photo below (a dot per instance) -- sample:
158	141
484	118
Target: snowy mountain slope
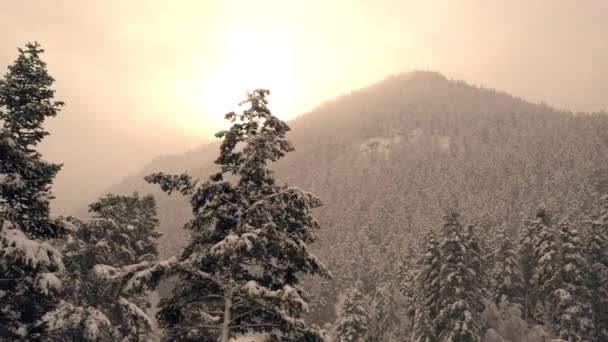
390	159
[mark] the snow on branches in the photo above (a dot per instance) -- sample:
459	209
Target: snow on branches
249	241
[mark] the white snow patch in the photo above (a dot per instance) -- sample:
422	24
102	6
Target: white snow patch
67	317
380	145
48	282
15	246
67	225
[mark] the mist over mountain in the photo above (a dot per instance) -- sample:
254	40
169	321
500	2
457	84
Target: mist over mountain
390	159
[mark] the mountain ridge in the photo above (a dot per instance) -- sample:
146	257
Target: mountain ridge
390	159
412	76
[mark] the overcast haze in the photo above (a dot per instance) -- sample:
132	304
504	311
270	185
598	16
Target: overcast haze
146	78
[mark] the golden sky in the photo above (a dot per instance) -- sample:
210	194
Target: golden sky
150	77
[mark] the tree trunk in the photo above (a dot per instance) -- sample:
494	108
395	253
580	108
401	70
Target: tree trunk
225	337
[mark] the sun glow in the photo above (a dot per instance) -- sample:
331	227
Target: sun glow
251	60
279	48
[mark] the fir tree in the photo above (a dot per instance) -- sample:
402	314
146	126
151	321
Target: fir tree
123	228
122	232
26	100
423	327
387	312
460	292
406	279
506	281
353	318
239	272
427	291
545	277
528	262
573	318
27	263
476	254
597	259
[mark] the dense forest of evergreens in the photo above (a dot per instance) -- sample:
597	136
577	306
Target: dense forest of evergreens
463	285
391	159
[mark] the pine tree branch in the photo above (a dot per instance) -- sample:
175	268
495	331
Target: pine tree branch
245	314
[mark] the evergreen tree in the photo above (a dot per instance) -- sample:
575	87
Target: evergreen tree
388	309
597	259
423	327
460	292
476	254
527	239
427	291
406	279
239	272
353	318
27	263
545	277
123	228
121	233
573	321
506	281
26	100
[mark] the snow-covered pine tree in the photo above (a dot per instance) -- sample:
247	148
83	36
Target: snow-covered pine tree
573	318
27	263
423	330
485	235
460	292
121	233
123	228
477	256
597	260
388	314
427	291
26	100
528	237
546	274
506	282
239	272
406	282
353	313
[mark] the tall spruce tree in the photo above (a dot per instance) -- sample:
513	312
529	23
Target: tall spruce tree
123	228
353	318
546	276
597	261
527	239
388	308
239	272
477	255
27	263
427	291
26	101
506	281
406	280
122	232
573	319
460	292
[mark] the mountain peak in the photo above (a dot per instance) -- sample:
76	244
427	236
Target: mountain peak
421	75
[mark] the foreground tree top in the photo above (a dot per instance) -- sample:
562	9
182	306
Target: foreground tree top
239	273
28	264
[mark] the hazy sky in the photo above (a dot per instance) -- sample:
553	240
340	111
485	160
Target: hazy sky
145	78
